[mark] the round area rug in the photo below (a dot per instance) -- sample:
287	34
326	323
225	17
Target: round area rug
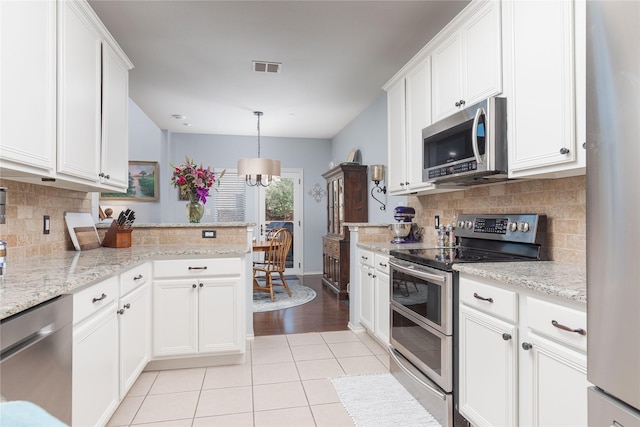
300	294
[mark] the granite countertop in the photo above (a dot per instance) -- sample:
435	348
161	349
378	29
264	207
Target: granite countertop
184	225
386	247
549	277
38	279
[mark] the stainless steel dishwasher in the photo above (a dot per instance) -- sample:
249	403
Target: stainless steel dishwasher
35	356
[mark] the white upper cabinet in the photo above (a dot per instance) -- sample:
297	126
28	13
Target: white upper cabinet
27	87
396	143
545	67
79	74
63	97
467	59
408	110
115	119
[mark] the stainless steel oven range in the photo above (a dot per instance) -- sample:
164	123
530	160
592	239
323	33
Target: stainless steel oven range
424	292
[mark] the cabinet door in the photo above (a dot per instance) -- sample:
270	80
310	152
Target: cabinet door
558	391
175	317
418	116
381	318
396	142
367	297
543	111
220	328
488	369
447	77
28	85
135	335
79	69
115	119
482	54
95	368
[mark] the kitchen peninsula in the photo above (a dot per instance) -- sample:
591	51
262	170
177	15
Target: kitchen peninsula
174	299
34	280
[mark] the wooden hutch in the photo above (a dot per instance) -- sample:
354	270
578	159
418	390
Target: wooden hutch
347	201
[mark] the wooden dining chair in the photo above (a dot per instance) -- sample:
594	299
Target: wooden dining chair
274	262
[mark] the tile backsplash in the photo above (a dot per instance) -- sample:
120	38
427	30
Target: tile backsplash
562	200
26	206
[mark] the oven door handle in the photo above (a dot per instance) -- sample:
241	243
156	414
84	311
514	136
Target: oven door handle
474	136
432	388
418	273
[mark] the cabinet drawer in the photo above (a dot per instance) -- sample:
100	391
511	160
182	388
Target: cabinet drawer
365	257
95	297
197	267
490	299
541	316
382	263
131	279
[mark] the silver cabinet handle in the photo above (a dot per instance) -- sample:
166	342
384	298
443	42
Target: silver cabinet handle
527	346
506	336
198	268
194	286
127	306
382	265
138	277
121	311
568	329
564	150
95	300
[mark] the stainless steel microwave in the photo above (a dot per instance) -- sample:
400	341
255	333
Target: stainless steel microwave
469	147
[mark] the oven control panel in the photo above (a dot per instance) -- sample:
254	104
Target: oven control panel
524	228
491	225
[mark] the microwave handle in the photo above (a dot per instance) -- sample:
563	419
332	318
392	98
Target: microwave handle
474	136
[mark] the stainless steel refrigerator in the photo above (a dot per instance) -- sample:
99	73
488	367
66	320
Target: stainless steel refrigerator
613	212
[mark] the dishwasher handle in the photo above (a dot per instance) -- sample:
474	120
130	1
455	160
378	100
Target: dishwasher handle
27	342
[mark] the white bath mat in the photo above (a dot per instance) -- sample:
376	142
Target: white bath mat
380	401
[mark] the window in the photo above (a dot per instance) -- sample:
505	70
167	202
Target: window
230	199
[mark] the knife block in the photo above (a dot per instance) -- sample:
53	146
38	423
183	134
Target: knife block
117	237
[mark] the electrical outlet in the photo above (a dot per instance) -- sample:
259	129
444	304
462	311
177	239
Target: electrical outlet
436	221
208	234
46	224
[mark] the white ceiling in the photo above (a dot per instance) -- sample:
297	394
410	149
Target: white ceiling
194	58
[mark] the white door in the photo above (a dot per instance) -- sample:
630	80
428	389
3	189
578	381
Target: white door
280	205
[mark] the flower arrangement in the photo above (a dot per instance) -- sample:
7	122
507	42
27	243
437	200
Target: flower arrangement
194	181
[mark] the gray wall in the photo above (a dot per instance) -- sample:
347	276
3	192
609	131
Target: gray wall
367	132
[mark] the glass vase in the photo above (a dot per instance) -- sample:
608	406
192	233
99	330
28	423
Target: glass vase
195	211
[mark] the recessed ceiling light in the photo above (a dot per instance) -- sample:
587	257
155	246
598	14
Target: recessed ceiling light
186	124
178	116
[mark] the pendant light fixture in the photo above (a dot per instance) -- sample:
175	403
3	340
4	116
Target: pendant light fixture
258	171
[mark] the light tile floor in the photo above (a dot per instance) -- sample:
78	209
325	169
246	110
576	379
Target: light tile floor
284	382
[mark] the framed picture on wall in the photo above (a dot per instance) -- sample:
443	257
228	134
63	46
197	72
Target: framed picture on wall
143	183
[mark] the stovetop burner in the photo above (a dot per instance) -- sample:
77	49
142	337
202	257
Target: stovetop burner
443	258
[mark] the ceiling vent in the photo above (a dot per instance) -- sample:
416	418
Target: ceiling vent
266	67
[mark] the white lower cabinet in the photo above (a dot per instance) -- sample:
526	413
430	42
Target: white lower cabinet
95	354
374	294
488	369
200	310
367	291
134	314
522	357
382	294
